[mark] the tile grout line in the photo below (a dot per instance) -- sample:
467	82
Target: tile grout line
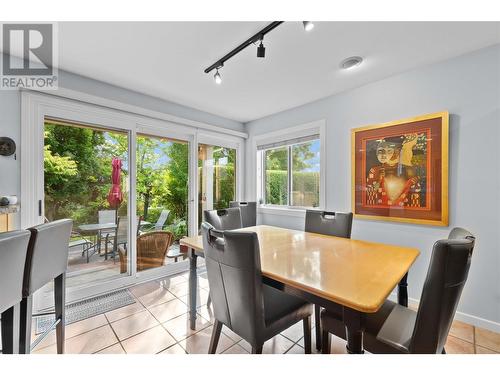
177	342
117	338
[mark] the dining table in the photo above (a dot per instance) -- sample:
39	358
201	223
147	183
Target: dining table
324	270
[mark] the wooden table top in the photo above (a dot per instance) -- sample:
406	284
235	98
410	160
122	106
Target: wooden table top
357	274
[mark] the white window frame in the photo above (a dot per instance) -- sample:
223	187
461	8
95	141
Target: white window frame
303	130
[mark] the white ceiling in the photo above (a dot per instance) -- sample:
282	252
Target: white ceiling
167	59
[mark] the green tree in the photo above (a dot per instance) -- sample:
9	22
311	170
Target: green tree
152	174
224	160
277	159
84	190
178	179
58	172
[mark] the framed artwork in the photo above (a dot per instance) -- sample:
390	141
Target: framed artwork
400	170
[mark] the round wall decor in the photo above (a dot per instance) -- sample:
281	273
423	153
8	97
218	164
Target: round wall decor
7	146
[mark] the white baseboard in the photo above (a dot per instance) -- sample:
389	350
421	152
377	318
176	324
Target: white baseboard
462	317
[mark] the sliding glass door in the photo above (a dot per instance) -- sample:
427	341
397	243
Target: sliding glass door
86	179
216	177
162	186
129	183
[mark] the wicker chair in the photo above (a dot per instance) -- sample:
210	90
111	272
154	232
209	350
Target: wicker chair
152	248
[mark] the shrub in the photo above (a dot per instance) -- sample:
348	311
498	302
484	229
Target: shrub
305	188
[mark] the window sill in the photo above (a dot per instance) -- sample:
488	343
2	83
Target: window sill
282	211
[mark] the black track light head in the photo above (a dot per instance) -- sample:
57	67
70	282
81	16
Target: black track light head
261	50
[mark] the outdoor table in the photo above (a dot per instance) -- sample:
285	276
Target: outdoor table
97	229
89	229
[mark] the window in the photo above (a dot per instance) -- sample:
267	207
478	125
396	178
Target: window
291	172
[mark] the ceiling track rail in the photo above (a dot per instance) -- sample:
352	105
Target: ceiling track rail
253	39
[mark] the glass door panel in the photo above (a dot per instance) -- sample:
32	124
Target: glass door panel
86	179
216	178
162	187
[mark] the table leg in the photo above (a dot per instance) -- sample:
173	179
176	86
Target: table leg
403	291
193	287
354	323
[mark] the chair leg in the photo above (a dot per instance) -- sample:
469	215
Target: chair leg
403	291
317	320
306	322
257	349
105	248
60	309
325	349
26	314
10	330
214	340
209	301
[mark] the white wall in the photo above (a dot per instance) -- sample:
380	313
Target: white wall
469	88
10	118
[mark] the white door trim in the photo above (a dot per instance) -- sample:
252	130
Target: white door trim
133	109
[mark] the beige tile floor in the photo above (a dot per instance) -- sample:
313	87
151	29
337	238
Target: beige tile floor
158	323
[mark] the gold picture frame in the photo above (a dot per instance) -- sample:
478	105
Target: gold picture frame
400	170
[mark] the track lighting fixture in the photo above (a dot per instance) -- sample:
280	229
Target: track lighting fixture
217	77
261	50
250	41
308	25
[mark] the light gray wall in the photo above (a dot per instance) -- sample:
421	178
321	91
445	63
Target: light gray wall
468	87
10	118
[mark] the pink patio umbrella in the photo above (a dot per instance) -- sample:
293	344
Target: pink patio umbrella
115	196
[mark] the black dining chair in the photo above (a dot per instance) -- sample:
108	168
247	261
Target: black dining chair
248	212
46	261
225	219
251	309
13	249
337	224
396	329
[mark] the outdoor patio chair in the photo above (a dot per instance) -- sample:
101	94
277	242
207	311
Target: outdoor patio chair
152	248
106	217
120	235
160	223
83	243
